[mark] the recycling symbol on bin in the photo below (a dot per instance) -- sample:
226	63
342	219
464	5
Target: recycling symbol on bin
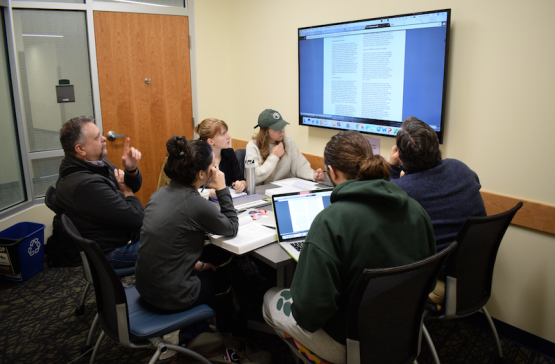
32	251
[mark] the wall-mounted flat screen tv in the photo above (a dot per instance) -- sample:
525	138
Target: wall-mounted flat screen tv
369	75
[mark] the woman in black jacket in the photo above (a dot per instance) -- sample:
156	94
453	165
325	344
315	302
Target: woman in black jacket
215	133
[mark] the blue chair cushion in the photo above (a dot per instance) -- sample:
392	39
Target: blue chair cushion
145	321
125	272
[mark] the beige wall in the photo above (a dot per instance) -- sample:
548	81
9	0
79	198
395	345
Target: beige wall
40	214
498	117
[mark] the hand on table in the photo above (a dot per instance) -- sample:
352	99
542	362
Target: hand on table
319	174
239	186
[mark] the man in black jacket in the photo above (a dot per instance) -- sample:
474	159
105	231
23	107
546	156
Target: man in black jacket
98	197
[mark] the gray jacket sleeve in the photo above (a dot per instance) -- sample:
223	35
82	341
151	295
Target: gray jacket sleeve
206	216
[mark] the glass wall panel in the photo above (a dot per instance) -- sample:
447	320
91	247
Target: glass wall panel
52	49
12	190
176	3
45	174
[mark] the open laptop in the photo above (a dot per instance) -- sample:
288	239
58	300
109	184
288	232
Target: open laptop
294	213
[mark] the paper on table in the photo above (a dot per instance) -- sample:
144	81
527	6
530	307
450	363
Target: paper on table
300	184
235	194
245	219
375	143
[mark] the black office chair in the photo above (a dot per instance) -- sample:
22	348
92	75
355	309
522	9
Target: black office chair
80	310
240	154
384	319
124	316
469	269
50	202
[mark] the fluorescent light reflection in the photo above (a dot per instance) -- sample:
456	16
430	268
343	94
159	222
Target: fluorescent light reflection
42	35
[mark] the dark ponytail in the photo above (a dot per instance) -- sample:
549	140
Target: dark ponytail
351	153
186	158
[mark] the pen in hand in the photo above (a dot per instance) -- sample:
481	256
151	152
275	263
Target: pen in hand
203	187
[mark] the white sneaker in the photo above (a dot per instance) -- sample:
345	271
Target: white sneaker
173	339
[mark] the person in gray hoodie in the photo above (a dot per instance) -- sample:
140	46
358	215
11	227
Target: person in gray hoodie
170	274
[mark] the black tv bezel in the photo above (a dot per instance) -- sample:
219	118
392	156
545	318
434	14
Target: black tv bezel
440	133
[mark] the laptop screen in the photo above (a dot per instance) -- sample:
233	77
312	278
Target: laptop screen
295	211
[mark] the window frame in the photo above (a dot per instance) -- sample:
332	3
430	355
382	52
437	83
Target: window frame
89	6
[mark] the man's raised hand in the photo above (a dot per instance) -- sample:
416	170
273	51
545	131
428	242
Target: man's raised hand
131	156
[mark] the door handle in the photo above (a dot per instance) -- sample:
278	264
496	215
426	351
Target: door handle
111	136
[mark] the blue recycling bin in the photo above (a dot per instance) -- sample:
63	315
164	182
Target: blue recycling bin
22	250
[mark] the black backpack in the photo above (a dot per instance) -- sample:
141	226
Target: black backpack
60	249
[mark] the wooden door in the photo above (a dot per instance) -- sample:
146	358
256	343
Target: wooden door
131	48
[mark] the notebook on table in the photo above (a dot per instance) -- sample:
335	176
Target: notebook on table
254	232
294	213
244	201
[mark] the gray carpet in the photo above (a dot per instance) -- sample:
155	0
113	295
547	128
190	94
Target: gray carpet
38	325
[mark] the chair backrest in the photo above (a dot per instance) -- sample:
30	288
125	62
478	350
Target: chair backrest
110	294
384	319
472	263
50	200
240	154
163	179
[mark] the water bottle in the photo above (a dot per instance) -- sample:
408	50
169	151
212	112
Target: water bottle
250	174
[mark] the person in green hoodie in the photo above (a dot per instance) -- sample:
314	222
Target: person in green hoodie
371	223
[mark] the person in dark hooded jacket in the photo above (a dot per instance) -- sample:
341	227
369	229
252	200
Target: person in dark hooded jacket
98	197
371	223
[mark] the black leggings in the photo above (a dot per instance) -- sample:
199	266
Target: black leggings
209	284
206	288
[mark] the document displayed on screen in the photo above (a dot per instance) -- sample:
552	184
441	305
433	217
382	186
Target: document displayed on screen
364	75
304	211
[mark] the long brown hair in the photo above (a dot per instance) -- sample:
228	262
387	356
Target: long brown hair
261	140
351	153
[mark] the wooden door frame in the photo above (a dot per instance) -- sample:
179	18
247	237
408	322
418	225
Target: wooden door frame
188	11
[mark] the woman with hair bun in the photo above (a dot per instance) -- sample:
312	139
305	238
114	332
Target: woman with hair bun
214	132
371	223
170	274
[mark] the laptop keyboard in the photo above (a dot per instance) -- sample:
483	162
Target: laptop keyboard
298	245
